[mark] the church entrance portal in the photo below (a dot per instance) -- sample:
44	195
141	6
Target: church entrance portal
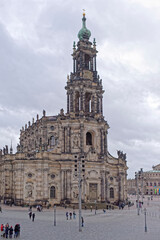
93	191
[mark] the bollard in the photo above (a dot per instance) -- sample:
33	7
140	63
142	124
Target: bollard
145	227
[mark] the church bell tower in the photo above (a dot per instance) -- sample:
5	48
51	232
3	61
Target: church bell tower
84	87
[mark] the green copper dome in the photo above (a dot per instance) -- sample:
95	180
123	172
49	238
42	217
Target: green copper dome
84	33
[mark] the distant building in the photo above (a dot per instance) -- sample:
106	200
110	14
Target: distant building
151	182
45	167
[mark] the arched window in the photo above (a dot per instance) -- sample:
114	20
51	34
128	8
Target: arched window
77	102
88	102
88	138
87	62
52	192
52	141
111	193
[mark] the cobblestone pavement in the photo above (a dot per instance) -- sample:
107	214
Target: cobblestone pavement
112	225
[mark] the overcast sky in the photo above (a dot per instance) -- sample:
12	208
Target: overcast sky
36	39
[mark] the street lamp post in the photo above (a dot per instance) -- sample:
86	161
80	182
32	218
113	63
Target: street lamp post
54	215
137	183
141	185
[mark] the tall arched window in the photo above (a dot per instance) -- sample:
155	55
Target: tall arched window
88	102
88	138
77	102
52	141
87	61
52	192
111	193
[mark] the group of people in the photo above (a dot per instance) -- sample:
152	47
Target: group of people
8	231
69	215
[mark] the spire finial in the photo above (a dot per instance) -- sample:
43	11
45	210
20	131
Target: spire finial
84	33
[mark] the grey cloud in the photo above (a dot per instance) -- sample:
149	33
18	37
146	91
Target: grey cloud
35	61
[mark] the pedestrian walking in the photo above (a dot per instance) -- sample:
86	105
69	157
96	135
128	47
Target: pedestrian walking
70	214
91	208
82	220
6	230
10	232
2	227
16	230
67	215
33	217
30	214
74	215
0	209
2	231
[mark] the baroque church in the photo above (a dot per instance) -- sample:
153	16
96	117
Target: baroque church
54	150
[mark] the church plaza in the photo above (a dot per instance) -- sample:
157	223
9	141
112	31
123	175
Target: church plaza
114	224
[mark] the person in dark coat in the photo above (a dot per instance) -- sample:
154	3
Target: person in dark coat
30	214
16	230
82	219
33	217
6	231
10	232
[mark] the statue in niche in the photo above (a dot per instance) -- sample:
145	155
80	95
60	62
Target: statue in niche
75	142
75	195
29	190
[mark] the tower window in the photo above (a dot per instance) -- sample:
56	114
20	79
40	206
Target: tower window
87	62
52	192
88	102
77	102
88	138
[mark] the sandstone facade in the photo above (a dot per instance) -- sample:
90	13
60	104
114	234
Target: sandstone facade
53	149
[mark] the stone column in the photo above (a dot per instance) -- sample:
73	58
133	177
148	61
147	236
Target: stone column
105	142
64	139
82	137
95	65
92	104
106	186
68	184
91	64
101	105
101	139
67	102
45	182
97	103
71	101
62	184
102	186
74	65
120	187
69	139
81	100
